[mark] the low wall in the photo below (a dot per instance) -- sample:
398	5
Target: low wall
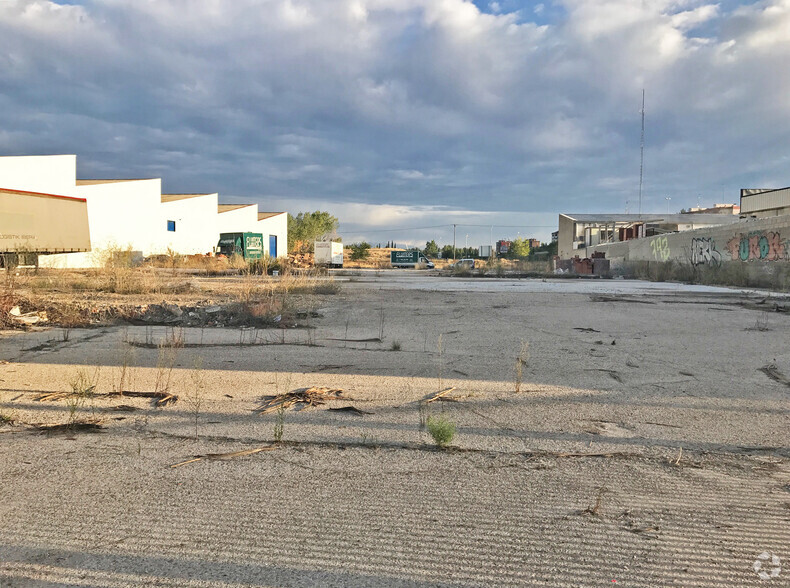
764	240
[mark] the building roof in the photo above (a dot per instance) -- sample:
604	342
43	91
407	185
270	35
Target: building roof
174	197
745	192
228	207
652	218
39	194
92	182
265	215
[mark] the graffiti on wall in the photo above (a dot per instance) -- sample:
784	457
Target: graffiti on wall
704	252
761	246
660	249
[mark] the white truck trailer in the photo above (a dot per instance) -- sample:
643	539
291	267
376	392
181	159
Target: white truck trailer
329	253
33	224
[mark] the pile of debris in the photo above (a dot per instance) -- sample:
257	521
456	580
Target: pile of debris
314	396
16	317
301	260
202	314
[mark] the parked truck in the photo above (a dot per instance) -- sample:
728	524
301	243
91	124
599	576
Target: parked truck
248	245
33	224
409	259
328	253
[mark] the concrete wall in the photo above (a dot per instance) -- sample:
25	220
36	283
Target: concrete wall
566	238
196	224
275	225
50	174
750	240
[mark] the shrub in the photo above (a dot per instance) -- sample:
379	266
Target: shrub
441	429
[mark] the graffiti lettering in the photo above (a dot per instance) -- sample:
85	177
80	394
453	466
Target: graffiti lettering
660	248
704	252
759	246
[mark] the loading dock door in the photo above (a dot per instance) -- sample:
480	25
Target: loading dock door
273	245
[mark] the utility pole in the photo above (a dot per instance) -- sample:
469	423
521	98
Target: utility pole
642	152
454	242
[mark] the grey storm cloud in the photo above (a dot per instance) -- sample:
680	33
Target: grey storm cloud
500	106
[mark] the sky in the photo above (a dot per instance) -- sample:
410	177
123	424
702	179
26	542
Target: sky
404	117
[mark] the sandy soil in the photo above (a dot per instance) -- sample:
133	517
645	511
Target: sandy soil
648	445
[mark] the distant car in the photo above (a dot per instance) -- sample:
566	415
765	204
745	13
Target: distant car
467	263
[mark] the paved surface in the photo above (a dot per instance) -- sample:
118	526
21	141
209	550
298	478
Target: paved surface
662	460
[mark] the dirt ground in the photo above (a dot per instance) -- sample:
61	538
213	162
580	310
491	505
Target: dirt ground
608	432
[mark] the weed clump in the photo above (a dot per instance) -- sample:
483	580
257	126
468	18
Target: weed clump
441	429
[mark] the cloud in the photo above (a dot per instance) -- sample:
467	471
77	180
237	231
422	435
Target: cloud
406	102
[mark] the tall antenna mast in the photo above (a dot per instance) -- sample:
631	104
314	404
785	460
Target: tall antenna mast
642	151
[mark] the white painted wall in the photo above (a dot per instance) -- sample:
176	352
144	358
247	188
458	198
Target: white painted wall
120	214
239	220
50	174
275	225
196	224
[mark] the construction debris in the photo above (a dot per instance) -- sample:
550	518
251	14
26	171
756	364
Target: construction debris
27	318
773	372
162	398
437	395
232	454
314	396
50	396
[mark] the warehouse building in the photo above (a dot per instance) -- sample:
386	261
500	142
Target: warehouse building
580	232
134	214
763	203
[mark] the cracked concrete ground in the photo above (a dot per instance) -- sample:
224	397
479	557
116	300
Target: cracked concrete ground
647	446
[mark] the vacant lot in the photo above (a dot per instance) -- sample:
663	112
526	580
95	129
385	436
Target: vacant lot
606	432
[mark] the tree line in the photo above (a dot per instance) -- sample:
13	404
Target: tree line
307	227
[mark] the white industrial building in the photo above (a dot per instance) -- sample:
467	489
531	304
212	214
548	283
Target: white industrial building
134	214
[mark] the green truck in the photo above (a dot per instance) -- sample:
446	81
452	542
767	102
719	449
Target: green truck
409	259
248	245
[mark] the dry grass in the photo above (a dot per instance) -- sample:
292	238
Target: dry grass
76	298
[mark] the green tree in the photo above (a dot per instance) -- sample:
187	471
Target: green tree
306	227
431	248
551	248
359	250
520	248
